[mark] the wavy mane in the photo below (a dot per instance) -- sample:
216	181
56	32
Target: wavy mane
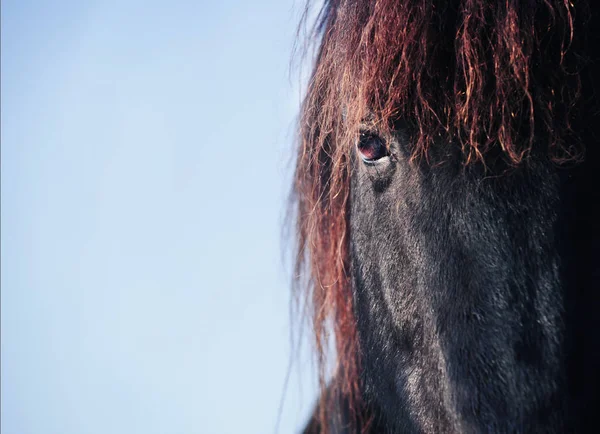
481	75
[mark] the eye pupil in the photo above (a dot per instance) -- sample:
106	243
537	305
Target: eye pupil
371	147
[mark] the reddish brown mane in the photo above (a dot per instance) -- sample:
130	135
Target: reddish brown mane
477	73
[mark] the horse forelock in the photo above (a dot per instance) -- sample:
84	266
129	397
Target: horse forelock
481	74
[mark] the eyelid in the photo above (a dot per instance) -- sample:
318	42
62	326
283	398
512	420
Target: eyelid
377	161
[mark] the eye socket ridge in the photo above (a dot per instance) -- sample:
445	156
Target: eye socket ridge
371	147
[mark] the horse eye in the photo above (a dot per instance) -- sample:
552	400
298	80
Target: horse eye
371	147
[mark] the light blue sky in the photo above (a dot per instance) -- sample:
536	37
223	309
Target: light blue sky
145	150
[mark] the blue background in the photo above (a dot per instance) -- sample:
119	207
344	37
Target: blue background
146	151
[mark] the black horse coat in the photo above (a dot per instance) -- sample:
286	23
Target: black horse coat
477	290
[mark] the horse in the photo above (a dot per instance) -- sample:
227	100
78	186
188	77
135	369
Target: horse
446	197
